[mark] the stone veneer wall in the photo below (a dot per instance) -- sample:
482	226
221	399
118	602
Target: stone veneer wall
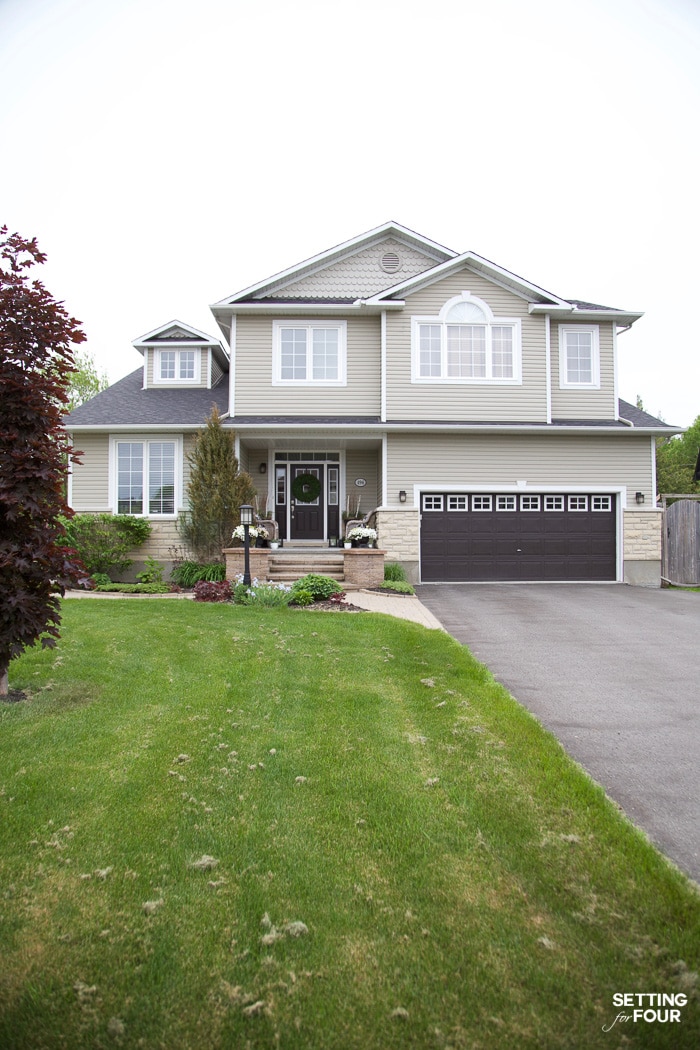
164	539
399	537
641	530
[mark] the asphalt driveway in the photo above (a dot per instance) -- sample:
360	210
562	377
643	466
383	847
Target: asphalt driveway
614	673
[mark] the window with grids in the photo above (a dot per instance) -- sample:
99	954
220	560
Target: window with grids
457	502
530	503
309	353
481	503
554	503
432	502
505	502
578	503
466	344
601	503
579	356
146	478
177	366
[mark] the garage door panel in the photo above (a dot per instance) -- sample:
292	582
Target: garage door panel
520	544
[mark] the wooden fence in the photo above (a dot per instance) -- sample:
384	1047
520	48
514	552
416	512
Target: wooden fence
681	540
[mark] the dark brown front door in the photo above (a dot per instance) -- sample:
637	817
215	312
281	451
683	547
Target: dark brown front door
306	513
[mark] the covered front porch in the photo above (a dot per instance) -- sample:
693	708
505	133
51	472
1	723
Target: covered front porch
313	486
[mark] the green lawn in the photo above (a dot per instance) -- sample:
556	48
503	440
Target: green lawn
460	882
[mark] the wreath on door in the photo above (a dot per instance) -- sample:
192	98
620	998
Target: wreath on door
306	488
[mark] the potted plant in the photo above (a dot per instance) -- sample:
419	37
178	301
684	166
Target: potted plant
362	536
274	545
257	534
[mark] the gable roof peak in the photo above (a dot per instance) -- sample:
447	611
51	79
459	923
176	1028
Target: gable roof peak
174	332
438	253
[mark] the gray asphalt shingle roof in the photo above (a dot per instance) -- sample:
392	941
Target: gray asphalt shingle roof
126	403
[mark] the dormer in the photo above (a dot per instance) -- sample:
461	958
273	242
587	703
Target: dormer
179	356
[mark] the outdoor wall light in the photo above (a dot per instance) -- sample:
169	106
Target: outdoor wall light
639	496
402	496
263	468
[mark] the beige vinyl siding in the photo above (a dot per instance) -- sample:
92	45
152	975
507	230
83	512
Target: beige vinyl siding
359	275
585	404
465	401
90	480
362	463
256	395
216	369
188	441
150	356
490	460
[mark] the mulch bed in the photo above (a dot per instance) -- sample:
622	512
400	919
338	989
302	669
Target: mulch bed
13	696
329	607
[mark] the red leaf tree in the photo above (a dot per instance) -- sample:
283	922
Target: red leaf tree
36	365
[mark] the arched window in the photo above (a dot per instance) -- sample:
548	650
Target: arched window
466	343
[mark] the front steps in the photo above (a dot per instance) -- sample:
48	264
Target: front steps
290	563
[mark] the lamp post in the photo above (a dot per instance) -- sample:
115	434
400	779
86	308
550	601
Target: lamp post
246	522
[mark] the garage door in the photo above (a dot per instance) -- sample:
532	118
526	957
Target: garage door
518	537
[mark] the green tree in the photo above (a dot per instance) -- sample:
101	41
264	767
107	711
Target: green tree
216	490
85	381
676	461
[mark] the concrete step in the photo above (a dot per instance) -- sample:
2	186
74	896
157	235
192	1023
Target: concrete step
290	565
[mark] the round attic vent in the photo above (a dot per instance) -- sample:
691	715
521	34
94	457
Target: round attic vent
390	262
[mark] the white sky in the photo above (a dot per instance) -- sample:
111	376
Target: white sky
167	153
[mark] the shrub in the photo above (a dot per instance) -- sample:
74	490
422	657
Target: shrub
188	573
395	572
104	540
397	586
320	587
100	579
301	597
152	573
212	591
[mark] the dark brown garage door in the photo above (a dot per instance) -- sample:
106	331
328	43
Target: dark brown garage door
517	537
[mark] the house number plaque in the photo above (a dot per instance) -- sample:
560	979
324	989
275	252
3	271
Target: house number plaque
360	482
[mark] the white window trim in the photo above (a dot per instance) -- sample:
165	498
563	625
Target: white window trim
158	378
342	328
491	321
145	439
594	331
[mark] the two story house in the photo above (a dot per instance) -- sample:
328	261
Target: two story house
476	414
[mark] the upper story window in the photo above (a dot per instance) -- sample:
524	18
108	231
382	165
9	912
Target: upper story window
176	366
312	352
579	356
465	343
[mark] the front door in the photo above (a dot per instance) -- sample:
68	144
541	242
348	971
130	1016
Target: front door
307	502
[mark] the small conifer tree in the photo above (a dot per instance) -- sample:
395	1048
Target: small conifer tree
216	490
